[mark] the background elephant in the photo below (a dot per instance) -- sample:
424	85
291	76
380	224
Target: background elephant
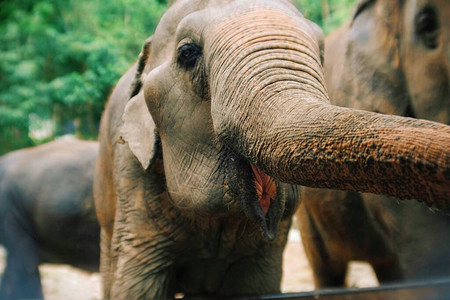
47	213
393	58
225	93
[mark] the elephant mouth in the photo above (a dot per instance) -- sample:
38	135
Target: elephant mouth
268	210
266	189
259	196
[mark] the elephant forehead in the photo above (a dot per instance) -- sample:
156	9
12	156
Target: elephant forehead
236	16
240	31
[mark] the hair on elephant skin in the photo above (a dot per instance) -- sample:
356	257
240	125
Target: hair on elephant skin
394	58
226	102
47	213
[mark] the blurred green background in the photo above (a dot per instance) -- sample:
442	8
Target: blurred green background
59	60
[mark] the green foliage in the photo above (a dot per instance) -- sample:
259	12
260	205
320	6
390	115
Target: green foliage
60	60
328	14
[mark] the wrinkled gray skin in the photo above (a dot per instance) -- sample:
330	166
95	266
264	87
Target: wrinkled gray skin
47	213
221	86
394	58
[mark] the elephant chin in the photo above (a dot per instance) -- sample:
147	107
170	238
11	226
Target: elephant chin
268	210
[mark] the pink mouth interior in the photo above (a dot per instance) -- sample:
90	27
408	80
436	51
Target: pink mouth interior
265	188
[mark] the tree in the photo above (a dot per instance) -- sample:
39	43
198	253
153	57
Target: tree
60	60
328	14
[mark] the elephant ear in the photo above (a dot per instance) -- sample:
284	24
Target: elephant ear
138	129
142	62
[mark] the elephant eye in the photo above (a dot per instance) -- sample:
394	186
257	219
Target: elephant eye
427	27
188	55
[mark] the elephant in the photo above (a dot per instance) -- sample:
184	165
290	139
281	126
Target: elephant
393	57
204	139
47	213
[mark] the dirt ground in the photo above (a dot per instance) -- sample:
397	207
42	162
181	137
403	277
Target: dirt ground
65	282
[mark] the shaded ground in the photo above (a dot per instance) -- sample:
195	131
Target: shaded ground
65	282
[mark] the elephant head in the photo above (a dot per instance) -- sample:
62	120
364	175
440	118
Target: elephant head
236	87
396	59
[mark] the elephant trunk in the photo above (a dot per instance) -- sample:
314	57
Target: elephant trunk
269	103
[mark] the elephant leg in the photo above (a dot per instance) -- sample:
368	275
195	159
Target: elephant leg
328	268
262	274
134	278
388	271
134	266
327	271
21	279
381	246
328	275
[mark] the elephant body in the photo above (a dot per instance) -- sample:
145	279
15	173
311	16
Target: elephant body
393	58
226	102
47	213
159	249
